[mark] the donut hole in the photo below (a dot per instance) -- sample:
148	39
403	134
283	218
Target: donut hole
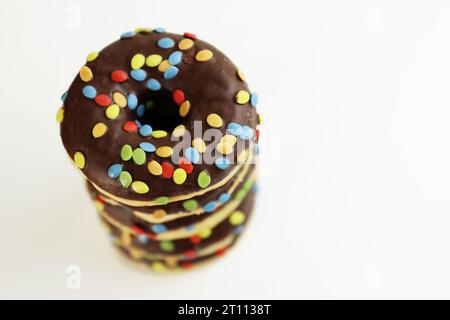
157	109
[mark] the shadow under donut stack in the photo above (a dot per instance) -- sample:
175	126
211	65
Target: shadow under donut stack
164	129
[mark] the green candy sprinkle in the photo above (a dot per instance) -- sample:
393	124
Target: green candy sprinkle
190	205
162	200
240	195
126	152
139	156
167	246
203	179
125	179
247	185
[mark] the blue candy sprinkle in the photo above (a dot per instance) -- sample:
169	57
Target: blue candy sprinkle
140	111
210	206
158	228
146	130
89	92
192	155
171	73
147	147
153	84
166	43
255	188
254	99
190	227
160	30
128	34
138	75
224	197
175	58
64	96
115	170
247	133
142	238
139	124
239	229
235	128
132	101
222	163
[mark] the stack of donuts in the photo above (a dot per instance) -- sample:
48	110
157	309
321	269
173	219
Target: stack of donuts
163	127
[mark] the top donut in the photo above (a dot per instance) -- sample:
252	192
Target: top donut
157	117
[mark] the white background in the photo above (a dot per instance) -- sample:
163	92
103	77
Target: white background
355	180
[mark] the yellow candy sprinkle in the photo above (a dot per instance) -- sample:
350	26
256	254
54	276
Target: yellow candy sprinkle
204	55
139	187
179	176
179	131
60	115
155	168
92	56
228	138
242	97
224	148
242	157
146	30
259	118
125	237
137	61
199	144
79	160
205	233
86	74
99	130
157	134
237	218
159	214
153	60
164	151
241	75
137	254
99	206
214	120
112	112
185	44
184	108
120	99
158	266
163	66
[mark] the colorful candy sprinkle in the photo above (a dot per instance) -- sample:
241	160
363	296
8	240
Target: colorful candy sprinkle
204	55
159	214
242	97
234	128
162	200
130	126
153	85
139	74
120	99
175	57
126	152
241	75
199	144
164	151
254	99
160	30
92	56
146	130
185	44
99	130
137	61
163	66
171	73
214	120
89	92
186	165
205	233
222	163
103	100
224	148
190	205
153	60
143	30
210	206
125	179
132	101
192	155
159	228
60	115
184	108
115	170
155	168
224	197
158	134
147	147
119	76
167	246
204	179
179	176
166	43
86	74
228	138
139	156
167	170
247	133
127	35
112	112
237	218
79	160
139	187
178	96
179	131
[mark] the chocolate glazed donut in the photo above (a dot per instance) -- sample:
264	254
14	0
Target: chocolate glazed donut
163	125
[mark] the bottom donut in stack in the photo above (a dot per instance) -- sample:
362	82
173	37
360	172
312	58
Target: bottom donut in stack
181	235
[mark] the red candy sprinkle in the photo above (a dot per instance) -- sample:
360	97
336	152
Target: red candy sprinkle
190	35
186	165
119	76
103	100
195	239
130	126
151	236
221	252
167	169
178	96
186	265
137	230
99	199
257	135
190	253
